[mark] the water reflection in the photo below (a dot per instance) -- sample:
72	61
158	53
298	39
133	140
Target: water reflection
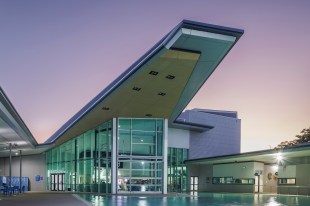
273	202
210	199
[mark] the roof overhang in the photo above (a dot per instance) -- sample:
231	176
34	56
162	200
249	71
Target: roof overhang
13	131
161	83
289	156
190	126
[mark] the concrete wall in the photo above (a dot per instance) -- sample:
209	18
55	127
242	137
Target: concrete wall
223	139
178	138
287	171
235	170
301	173
268	183
205	174
32	165
270	178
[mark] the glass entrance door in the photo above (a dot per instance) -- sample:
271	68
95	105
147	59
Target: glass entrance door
57	181
194	183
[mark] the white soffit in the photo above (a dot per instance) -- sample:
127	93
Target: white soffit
198	33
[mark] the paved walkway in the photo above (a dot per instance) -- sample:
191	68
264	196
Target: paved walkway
42	199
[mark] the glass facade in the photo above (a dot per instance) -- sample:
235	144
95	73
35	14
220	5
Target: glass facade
82	164
177	170
140	160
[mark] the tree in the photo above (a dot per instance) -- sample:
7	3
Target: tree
303	137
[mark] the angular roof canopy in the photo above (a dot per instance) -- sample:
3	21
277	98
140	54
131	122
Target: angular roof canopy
161	83
14	131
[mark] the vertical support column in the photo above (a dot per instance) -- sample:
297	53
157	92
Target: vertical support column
20	170
114	157
10	165
97	143
165	157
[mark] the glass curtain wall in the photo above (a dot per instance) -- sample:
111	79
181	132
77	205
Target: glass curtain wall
177	170
85	162
140	161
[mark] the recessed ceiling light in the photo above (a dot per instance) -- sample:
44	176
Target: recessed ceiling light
148	115
136	89
161	93
170	76
153	73
105	108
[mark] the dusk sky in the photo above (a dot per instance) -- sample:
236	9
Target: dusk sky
56	55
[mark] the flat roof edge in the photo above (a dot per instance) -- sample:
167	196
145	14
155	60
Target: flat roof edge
11	109
259	152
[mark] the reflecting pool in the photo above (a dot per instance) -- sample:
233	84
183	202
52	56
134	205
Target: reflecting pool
210	199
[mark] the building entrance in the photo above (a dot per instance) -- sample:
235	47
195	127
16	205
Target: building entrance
194	183
57	181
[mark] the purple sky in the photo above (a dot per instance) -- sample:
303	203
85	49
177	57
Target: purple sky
55	56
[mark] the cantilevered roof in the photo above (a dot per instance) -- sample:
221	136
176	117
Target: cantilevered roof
299	154
162	82
14	131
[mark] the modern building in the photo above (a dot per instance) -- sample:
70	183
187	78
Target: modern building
131	136
120	141
135	137
20	154
84	163
282	171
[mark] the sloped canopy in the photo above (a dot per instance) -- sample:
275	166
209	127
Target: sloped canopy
161	83
14	131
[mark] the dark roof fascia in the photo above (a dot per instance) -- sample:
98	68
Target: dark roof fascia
195	125
231	155
225	163
215	29
135	66
254	153
13	112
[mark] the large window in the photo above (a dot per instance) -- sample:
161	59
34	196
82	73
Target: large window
286	181
177	170
84	161
140	155
231	180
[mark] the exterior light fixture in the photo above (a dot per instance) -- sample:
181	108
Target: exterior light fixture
148	115
161	93
170	76
275	167
153	73
136	89
279	157
105	108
